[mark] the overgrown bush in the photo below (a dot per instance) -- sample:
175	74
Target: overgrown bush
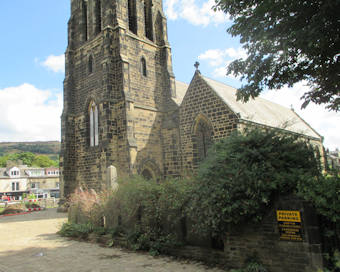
153	209
244	173
324	195
87	206
252	266
241	177
145	212
76	230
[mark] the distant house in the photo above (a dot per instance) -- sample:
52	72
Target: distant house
52	171
333	159
15	181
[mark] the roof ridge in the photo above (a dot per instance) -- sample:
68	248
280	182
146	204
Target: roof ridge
258	97
261	110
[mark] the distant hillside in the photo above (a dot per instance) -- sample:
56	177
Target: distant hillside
51	148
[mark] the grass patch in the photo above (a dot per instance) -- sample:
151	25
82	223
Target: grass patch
1	210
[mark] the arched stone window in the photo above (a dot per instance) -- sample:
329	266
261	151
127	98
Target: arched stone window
143	67
98	12
148	19
90	65
84	12
94	135
202	137
150	170
132	15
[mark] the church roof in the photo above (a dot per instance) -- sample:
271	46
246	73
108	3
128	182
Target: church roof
181	89
262	111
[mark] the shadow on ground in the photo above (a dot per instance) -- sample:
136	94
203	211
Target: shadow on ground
33	216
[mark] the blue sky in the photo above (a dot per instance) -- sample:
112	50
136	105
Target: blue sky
34	38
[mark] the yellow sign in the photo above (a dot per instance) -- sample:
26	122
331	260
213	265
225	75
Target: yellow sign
289	223
288	216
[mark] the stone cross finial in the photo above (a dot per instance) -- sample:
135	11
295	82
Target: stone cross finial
197	64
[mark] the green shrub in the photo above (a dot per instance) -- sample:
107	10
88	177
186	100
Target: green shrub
31	196
252	265
30	205
244	173
241	177
324	195
75	230
150	240
149	211
87	206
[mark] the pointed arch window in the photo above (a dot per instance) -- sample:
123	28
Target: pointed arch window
148	19
203	137
90	65
132	14
98	12
84	8
94	135
143	67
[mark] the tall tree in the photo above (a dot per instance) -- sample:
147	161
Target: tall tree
287	41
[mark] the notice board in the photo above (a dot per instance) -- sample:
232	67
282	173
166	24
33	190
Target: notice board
290	227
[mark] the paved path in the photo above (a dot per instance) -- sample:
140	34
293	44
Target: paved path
28	243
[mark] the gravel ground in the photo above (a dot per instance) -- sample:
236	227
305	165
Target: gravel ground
28	243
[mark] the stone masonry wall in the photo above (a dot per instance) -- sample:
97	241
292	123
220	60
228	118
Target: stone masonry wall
262	241
146	94
200	99
131	102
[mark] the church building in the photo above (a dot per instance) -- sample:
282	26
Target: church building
124	112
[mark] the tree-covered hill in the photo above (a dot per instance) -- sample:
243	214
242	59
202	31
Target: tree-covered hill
41	154
48	148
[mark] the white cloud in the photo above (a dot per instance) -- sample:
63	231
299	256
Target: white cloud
29	114
55	63
195	12
323	121
221	72
215	57
221	59
171	9
238	53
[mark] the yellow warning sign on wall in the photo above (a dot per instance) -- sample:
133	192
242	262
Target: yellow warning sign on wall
289	223
288	216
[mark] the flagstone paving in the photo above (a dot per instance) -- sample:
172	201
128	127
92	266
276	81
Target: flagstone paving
29	243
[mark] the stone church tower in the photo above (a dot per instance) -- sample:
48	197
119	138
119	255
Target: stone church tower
118	93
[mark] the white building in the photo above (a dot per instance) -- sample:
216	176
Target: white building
18	180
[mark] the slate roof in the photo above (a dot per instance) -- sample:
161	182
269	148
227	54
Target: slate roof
258	110
181	89
23	171
4	171
262	111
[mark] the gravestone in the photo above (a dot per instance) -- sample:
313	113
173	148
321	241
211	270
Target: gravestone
111	178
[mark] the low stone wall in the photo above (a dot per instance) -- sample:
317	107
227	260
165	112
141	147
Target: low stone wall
261	240
276	254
